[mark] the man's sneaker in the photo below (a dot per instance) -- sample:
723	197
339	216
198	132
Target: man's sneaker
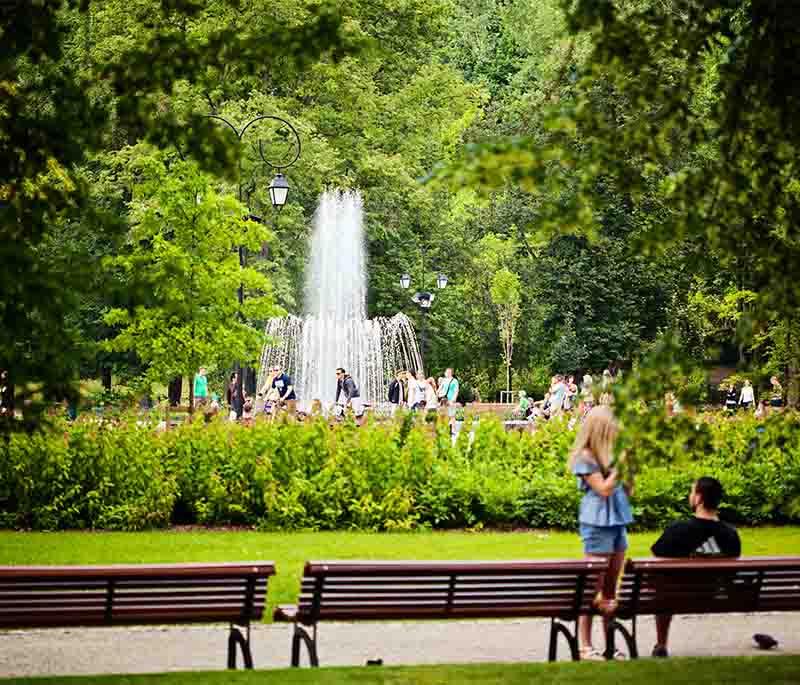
660	652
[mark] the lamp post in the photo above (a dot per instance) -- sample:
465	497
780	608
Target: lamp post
423	299
278	194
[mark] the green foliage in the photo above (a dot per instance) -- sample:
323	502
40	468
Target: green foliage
78	78
505	293
679	120
182	266
392	476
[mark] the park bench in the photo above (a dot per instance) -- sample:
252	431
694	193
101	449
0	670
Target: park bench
66	596
421	590
703	586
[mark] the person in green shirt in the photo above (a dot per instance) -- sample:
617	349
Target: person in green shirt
524	404
201	386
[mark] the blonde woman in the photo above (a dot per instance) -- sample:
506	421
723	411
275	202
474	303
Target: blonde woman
604	510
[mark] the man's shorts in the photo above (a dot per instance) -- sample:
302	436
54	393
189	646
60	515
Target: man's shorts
603	539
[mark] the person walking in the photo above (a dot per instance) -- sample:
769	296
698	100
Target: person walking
397	392
416	391
776	396
347	394
604	513
570	393
283	384
441	390
235	397
451	390
201	387
731	399
431	395
747	397
557	395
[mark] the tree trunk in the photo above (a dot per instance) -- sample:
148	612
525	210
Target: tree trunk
105	375
792	371
175	391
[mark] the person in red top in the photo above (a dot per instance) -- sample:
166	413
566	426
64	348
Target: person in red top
702	535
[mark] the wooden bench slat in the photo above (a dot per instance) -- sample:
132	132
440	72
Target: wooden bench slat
177	571
556	611
331	569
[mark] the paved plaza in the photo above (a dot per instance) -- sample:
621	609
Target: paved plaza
171	648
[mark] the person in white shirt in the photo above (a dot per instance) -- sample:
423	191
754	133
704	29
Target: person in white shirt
557	393
747	397
431	395
416	391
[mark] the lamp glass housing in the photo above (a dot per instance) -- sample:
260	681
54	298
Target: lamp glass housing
441	281
405	281
279	191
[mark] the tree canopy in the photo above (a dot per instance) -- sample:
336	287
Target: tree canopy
631	162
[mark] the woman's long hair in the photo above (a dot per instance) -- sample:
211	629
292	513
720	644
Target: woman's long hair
596	436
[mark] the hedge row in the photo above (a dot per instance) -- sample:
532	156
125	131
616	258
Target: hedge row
392	476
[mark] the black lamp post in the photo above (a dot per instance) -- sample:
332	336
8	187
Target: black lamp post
424	299
278	194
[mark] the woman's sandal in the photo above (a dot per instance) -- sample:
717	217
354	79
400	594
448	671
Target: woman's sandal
589	653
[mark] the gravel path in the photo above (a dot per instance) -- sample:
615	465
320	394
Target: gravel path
170	648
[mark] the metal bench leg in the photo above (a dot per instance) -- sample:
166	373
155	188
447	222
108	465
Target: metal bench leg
301	635
614	626
236	638
556	628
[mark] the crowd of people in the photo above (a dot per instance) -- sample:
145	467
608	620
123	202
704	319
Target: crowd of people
412	390
744	398
564	396
408	389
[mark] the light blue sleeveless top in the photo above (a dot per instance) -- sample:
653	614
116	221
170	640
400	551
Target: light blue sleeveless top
596	510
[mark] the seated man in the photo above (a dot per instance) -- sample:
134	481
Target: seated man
702	535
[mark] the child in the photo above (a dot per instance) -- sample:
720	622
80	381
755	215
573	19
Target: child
271	401
604	510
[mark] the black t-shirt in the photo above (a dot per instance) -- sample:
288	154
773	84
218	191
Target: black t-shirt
698	537
281	383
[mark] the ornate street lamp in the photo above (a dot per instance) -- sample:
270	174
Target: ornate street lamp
279	191
278	194
424	299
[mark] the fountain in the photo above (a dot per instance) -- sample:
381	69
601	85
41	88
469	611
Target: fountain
334	330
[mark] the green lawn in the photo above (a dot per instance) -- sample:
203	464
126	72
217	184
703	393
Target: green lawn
779	670
290	550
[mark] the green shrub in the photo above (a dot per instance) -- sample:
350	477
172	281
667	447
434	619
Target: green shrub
381	476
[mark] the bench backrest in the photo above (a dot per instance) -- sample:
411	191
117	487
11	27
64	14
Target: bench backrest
32	596
704	585
350	590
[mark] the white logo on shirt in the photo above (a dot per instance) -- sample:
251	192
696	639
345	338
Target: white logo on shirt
709	547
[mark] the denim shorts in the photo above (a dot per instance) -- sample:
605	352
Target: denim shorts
603	539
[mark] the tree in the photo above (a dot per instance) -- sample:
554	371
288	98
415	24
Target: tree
183	268
694	107
506	295
61	102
